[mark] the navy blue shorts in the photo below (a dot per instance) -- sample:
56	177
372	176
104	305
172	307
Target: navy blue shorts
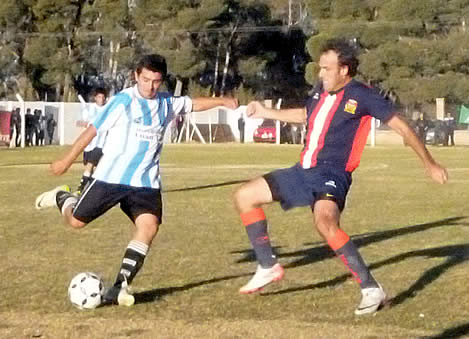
92	156
100	196
296	186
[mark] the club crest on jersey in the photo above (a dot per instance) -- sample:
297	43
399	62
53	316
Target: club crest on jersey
138	120
351	106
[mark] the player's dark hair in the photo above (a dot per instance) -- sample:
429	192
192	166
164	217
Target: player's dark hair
152	62
99	90
346	53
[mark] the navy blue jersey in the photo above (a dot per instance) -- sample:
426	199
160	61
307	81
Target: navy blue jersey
338	125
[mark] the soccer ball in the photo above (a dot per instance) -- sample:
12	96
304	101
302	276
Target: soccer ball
85	290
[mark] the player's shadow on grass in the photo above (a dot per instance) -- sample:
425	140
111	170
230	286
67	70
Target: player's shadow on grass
158	293
454	255
454	332
322	251
196	188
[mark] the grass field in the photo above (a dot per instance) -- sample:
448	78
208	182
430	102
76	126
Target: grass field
413	233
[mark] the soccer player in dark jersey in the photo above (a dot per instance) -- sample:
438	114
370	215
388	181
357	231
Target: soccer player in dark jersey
338	117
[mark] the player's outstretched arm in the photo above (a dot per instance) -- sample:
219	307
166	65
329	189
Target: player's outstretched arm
204	103
434	170
294	115
61	166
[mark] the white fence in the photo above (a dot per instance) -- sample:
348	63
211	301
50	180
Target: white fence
64	114
215	125
218	124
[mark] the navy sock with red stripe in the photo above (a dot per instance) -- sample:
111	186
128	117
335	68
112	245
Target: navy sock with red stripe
256	228
348	253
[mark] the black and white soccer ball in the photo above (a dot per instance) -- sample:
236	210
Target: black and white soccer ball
86	290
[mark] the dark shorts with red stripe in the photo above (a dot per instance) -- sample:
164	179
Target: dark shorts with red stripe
92	156
101	196
296	186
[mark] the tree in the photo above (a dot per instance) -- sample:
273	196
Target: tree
171	28
15	20
413	50
54	50
108	43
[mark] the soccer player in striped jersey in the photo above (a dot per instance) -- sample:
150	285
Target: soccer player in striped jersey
128	174
94	150
338	116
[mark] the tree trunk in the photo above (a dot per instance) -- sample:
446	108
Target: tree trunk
217	62
114	66
67	83
58	88
111	56
225	70
178	89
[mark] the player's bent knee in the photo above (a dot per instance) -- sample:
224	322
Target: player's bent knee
244	198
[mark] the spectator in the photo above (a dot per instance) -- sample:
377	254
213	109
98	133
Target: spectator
29	127
294	133
450	126
421	127
37	126
42	126
50	127
15	126
241	125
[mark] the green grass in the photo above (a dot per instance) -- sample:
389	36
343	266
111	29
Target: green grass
413	233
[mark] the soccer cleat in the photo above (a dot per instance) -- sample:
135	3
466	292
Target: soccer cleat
118	296
124	298
372	299
263	277
110	297
47	199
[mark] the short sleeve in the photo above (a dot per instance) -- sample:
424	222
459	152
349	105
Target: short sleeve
378	106
181	105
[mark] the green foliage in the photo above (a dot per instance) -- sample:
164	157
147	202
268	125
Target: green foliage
413	49
252	67
312	72
194	89
244	95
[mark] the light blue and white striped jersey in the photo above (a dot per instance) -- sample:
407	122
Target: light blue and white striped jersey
89	114
135	128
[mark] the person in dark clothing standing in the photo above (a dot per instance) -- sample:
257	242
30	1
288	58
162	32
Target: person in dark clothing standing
241	125
450	126
421	127
15	125
50	127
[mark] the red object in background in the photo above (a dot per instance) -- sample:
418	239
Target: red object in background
5	127
266	132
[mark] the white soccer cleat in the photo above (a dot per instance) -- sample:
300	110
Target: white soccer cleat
47	199
124	298
372	299
263	277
